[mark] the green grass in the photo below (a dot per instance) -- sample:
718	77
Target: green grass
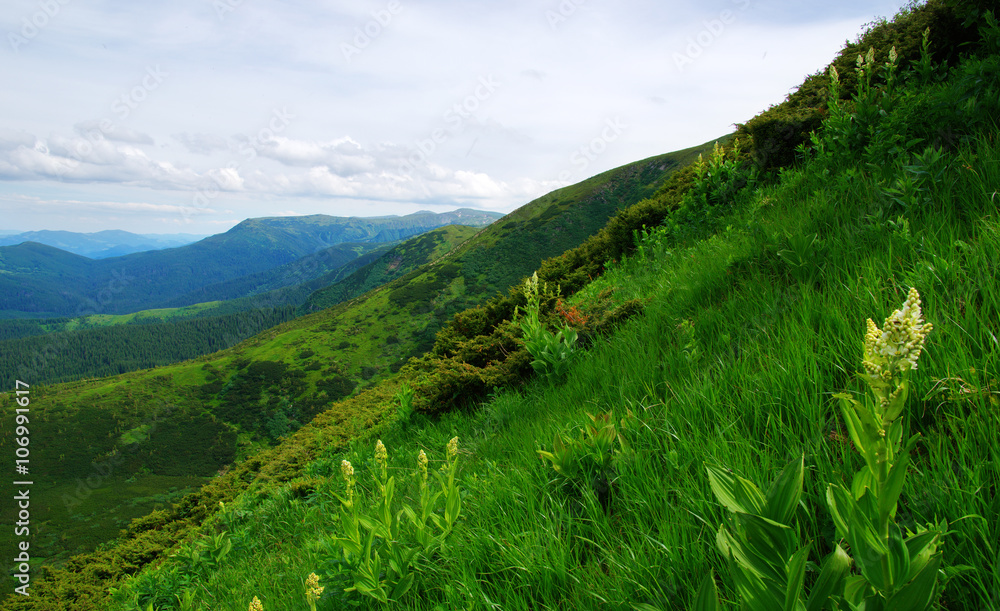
355	344
754	298
734	360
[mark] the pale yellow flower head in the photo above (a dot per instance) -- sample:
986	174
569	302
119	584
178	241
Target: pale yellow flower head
531	287
255	605
313	589
346	470
381	458
422	468
453	448
896	347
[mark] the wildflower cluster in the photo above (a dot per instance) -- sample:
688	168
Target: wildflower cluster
347	471
896	348
891	353
551	351
313	590
896	570
422	469
255	605
382	543
381	459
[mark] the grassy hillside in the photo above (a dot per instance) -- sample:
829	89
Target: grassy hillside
718	335
250	396
99	345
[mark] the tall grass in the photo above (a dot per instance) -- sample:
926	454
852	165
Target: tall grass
733	359
750	328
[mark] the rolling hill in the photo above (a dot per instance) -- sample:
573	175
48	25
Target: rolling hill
100	244
162	427
41	281
716	317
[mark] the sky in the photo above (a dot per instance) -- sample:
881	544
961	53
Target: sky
191	115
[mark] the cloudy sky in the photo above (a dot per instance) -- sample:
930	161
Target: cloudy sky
191	115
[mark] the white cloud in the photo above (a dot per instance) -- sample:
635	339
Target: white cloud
258	107
202	144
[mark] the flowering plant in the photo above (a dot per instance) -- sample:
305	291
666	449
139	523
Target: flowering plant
551	351
378	549
766	561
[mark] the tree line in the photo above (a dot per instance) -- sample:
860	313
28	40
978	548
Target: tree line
105	351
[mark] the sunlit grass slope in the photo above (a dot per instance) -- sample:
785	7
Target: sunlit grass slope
196	417
719	332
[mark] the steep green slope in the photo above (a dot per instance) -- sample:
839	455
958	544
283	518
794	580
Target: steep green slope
511	247
396	263
748	328
63	350
755	292
245	398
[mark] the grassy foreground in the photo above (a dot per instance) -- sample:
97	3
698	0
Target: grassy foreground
751	299
754	318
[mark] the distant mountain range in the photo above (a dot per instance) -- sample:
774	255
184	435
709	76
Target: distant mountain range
99	245
37	280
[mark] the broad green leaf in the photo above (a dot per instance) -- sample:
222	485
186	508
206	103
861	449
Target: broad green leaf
868	548
831	579
921	547
768	540
707	598
756	593
849	407
722	541
918	594
862	479
796	579
748	558
402	587
889	496
897	402
856	589
351	547
736	493
453	506
899	557
785	491
841	507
